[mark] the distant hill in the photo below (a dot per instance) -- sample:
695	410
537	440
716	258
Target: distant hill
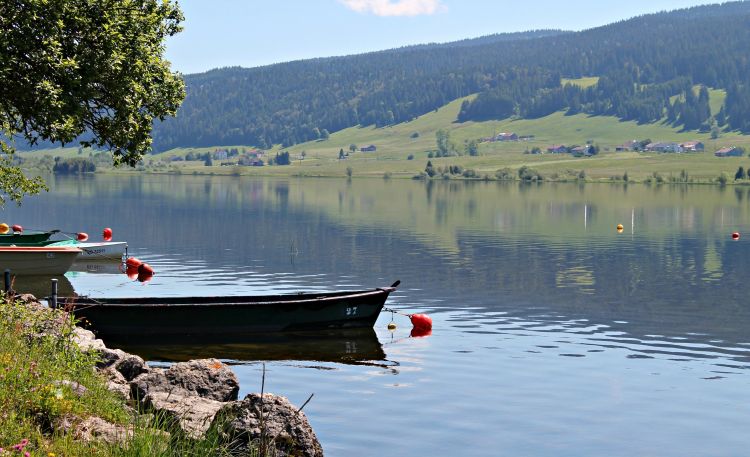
648	69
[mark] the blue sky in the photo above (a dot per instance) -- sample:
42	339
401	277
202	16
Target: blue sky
249	33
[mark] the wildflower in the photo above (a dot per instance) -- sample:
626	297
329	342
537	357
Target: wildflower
26	454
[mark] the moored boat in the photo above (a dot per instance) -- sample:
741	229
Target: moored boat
27	238
228	316
102	250
34	260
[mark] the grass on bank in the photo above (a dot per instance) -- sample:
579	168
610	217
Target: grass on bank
37	376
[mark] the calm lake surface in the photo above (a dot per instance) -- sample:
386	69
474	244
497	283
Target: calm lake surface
554	335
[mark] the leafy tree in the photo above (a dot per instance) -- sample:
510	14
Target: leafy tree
325	134
442	138
472	149
341	153
352	147
741	174
84	67
208	161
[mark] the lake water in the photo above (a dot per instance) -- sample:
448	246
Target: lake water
554	335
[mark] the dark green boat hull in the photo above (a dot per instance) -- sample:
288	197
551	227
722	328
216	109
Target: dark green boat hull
228	316
27	238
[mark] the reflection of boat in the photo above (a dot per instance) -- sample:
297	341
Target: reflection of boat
97	266
229	316
40	286
343	346
30	260
27	238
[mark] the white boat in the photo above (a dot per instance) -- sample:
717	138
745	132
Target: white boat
102	250
97	250
46	260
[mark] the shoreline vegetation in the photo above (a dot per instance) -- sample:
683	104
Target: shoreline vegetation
63	393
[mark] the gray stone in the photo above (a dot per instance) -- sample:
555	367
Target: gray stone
109	357
192	414
86	340
131	366
282	428
209	379
116	382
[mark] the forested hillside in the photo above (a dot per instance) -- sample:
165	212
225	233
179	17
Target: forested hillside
648	70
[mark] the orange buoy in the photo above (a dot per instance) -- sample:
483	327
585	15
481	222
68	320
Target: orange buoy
107	234
620	228
132	272
421	321
736	235
82	236
17	228
4	228
132	262
145	272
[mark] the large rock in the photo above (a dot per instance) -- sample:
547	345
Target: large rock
87	341
193	415
282	427
188	393
116	382
129	365
92	429
207	378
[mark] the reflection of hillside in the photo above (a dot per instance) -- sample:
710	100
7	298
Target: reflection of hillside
491	247
435	212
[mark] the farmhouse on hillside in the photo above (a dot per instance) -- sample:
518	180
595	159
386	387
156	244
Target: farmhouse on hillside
663	147
693	146
633	145
370	148
506	137
731	151
557	149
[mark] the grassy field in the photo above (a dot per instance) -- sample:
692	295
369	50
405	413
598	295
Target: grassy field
403	149
581	82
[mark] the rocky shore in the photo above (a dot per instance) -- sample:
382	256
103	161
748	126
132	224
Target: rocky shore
195	398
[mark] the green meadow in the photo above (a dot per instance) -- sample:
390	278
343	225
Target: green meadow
403	150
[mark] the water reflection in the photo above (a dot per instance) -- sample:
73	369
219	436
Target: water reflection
554	334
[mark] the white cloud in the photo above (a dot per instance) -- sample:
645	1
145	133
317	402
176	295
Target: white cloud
395	7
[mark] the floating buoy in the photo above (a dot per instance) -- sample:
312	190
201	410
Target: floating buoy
82	236
620	228
107	234
17	228
420	332
4	228
132	272
145	272
421	321
736	235
132	262
392	326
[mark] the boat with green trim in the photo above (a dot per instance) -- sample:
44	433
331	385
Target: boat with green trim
27	238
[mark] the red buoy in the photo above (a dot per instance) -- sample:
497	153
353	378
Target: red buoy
132	262
107	234
420	332
132	272
17	228
145	272
736	235
82	236
421	321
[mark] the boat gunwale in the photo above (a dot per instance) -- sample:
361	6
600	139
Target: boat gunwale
232	301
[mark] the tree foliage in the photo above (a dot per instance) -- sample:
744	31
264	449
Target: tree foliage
87	70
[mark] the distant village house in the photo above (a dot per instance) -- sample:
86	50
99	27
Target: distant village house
370	148
629	146
663	147
729	152
557	149
693	146
506	137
